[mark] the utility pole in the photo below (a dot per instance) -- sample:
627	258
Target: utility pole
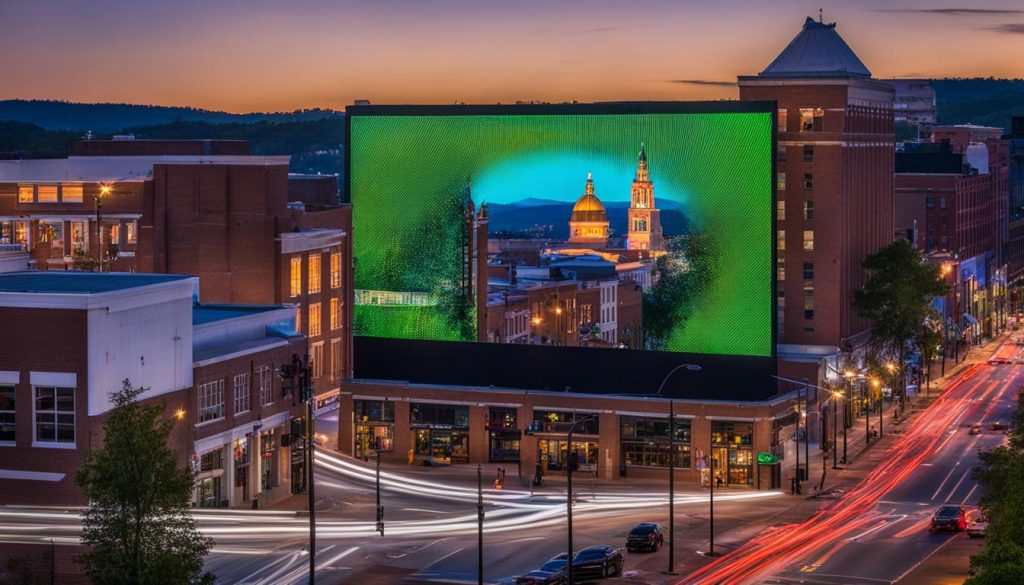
846	406
835	432
380	508
479	524
711	498
568	493
671	488
799	415
306	387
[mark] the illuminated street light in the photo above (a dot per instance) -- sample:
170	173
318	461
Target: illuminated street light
179	414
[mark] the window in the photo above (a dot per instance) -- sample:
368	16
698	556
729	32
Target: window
445	415
241	387
26	194
929	203
71	193
780	210
783	114
374	411
808	301
808	182
298	318
335	314
808	210
115	234
780	181
336	270
314	273
318	359
780	268
809	240
335	359
808	270
942	202
296	276
266	384
808	153
131	232
780	240
79	239
732	433
211	401
46	193
55	415
780	155
314	319
812	119
7	410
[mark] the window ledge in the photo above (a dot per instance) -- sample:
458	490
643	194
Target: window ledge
8	444
49	445
208	422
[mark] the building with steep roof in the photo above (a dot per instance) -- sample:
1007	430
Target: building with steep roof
644	217
589	221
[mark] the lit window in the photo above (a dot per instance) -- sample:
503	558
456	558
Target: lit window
266	384
808	210
335	314
296	276
314	319
298	319
808	301
131	229
241	388
780	268
808	182
26	194
115	234
79	239
318	359
781	181
211	401
55	415
812	119
71	193
780	240
314	273
7	410
809	240
336	270
783	114
47	193
335	359
780	207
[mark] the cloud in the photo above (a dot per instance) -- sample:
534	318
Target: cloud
954	11
597	30
704	82
1011	29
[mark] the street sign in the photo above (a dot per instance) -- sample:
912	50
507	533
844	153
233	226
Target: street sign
766	458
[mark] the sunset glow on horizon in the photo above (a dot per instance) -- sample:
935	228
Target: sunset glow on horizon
266	56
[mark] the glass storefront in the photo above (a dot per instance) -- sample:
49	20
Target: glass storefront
732	450
242	459
268	460
440	431
209	488
645	441
374	427
503	430
554	421
555	454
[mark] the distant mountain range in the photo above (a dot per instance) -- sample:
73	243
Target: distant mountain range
106	118
547	218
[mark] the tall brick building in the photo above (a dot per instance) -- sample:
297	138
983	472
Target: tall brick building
835	189
201	207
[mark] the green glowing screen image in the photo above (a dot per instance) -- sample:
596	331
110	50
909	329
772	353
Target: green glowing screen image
644	231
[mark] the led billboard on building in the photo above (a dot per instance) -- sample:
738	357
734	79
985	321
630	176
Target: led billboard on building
629	226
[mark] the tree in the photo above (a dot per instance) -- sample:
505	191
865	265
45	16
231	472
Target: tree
897	298
679	277
137	526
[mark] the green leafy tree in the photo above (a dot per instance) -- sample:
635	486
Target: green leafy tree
897	298
137	526
679	276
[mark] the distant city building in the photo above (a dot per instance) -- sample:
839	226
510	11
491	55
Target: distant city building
961	136
589	221
1015	252
834	184
644	217
212	367
914	103
173	207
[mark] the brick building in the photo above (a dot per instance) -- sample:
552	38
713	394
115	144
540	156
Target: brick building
210	366
835	189
173	207
1015	237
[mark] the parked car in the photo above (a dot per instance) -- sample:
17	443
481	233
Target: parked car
550	573
975	429
645	536
998	426
977	526
597	562
949	518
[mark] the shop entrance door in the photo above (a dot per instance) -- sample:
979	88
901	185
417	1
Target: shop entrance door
741	465
720	456
441	445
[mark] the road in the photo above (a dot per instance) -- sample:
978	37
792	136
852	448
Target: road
878	531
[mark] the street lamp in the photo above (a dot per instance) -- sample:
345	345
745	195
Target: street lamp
105	189
672	468
835	430
568	490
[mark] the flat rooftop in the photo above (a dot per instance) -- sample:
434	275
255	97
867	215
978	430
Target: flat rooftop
80	283
211	313
116	168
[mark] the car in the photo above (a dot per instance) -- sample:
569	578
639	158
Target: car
949	518
320	439
645	536
975	429
597	562
550	573
1019	341
977	526
998	426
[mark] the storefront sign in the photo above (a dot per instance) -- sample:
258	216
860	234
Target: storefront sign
766	458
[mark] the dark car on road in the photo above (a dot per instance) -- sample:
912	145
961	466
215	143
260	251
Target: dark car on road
597	562
998	426
551	573
645	536
949	518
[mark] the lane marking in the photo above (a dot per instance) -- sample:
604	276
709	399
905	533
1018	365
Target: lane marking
962	478
941	485
921	562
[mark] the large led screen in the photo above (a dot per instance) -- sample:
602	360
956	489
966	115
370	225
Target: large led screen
643	228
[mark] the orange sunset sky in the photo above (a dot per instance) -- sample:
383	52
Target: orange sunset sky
259	55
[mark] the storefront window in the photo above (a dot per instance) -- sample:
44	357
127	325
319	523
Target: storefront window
267	460
732	433
732	452
375	411
554	421
502	419
645	441
443	432
504	434
455	416
240	450
555	453
208	485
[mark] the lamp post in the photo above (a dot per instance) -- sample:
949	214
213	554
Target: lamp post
835	430
672	466
105	190
306	388
568	492
479	524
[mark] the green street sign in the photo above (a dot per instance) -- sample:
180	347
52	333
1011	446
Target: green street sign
766	458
